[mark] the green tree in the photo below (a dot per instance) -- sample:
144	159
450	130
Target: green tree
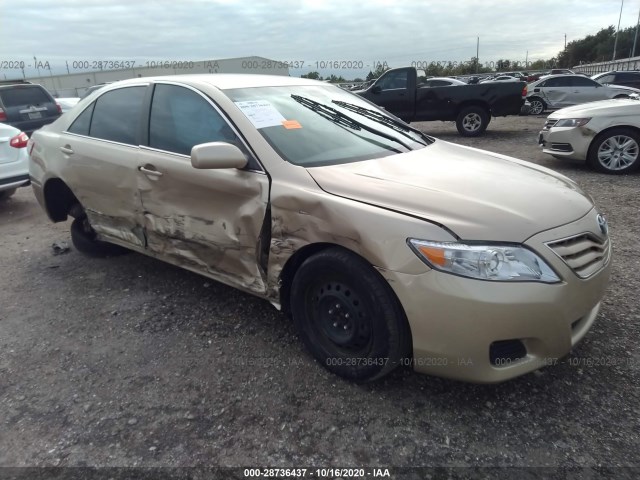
312	75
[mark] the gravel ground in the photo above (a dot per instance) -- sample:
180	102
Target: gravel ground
129	361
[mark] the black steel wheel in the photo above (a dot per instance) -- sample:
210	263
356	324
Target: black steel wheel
348	316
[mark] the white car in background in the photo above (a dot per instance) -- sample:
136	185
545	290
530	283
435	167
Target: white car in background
67	103
560	91
440	82
606	134
14	160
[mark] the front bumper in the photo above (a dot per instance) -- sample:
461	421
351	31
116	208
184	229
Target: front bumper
457	322
566	142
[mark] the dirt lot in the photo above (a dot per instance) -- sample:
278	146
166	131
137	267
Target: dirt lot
129	361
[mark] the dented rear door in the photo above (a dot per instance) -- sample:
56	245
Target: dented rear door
206	220
101	149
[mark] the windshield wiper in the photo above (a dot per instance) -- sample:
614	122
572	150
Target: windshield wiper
377	117
342	119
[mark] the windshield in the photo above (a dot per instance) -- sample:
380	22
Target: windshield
318	125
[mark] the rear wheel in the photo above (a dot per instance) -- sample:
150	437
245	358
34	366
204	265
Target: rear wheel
85	240
472	121
621	96
616	151
537	106
348	317
6	194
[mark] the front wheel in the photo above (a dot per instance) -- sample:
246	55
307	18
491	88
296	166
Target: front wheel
615	151
472	121
85	241
537	106
348	317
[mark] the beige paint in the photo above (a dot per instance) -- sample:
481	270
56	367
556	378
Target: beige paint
215	222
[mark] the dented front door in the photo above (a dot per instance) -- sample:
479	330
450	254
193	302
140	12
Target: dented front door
206	220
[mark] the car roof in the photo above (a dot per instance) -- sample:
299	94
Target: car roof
226	81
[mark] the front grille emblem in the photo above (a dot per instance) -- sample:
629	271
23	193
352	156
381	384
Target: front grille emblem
602	223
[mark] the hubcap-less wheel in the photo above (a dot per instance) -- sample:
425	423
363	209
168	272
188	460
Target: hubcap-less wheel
471	122
537	107
341	317
618	152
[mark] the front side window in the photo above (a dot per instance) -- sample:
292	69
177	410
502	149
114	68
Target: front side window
181	118
583	82
116	115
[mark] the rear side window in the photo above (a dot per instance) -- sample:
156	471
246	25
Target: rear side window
19	96
82	123
583	82
628	77
116	115
606	79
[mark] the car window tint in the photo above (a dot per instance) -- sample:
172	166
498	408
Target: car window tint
17	96
394	80
180	119
81	124
583	82
627	77
558	82
439	83
116	115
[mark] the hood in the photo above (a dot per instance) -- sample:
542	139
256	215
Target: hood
617	106
478	195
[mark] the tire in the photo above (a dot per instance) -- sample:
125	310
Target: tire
348	317
472	121
624	147
5	194
537	106
621	96
84	239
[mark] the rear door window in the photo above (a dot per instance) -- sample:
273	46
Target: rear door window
116	115
82	123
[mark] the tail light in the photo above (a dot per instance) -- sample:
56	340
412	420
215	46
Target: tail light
59	108
3	116
524	91
19	141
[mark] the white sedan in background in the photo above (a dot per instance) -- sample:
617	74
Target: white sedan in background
14	161
560	91
67	103
606	134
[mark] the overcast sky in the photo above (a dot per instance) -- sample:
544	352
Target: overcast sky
397	32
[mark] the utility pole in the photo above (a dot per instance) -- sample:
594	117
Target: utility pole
615	43
565	41
526	60
478	55
635	38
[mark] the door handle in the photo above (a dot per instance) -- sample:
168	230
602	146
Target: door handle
150	171
67	149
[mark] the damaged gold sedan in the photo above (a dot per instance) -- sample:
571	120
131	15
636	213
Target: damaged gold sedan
386	246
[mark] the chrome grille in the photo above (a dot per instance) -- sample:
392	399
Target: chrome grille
585	254
550	123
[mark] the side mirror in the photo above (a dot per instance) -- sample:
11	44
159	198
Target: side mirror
376	89
216	155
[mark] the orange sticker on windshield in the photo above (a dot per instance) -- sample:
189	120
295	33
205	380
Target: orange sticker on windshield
289	124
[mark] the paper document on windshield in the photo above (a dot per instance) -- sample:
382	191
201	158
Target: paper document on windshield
261	113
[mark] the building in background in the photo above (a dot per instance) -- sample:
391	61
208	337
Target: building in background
75	84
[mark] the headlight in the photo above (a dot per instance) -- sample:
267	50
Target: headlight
503	263
572	122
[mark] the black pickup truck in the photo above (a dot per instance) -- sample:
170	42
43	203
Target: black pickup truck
403	92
